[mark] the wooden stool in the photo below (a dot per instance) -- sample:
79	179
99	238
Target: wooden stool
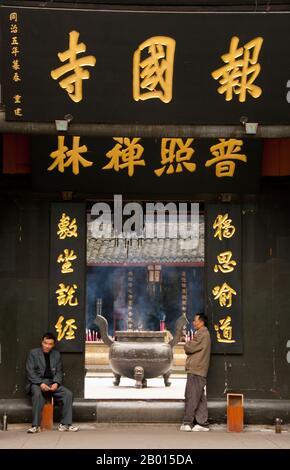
47	414
235	412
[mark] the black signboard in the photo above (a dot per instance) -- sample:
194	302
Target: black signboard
67	275
136	165
145	67
223	277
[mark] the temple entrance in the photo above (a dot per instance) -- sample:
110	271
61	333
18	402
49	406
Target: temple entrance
140	285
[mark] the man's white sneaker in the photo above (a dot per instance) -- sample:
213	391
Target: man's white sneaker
72	428
33	429
185	428
66	427
198	427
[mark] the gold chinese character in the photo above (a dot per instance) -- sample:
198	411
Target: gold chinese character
16	77
226	264
68	332
226	328
13	16
64	157
18	112
126	153
14	51
224	294
153	74
224	153
14	41
65	258
15	64
14	29
17	99
67	228
74	82
175	154
223	227
65	295
240	71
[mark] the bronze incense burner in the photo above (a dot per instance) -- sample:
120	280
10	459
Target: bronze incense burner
140	355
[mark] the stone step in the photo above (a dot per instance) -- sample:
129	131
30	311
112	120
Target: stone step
150	411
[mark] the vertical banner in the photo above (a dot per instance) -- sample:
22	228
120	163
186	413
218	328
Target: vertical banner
15	76
67	275
223	271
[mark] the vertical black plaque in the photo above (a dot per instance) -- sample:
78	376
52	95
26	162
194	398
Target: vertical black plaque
67	275
223	271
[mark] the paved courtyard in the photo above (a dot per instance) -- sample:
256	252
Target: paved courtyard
100	386
148	436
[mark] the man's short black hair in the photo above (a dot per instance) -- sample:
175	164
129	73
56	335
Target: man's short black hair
202	317
49	335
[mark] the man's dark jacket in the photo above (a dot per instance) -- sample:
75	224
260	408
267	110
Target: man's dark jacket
35	368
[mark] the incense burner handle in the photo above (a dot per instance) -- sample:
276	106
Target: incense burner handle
179	325
102	323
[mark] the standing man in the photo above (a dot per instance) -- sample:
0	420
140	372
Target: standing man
197	364
44	375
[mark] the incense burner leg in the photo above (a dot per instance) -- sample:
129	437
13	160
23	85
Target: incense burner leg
166	379
117	379
139	376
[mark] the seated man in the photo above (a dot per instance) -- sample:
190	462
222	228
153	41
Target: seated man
44	375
